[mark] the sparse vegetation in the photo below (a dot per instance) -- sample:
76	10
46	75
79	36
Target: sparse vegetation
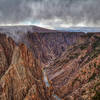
96	85
95	64
74	56
96	44
90	34
84	73
98	66
89	66
97	96
76	79
95	50
92	77
83	46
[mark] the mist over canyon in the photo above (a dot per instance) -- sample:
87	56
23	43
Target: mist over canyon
42	64
49	50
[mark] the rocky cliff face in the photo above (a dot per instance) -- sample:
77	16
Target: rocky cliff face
21	76
48	46
45	44
71	62
75	75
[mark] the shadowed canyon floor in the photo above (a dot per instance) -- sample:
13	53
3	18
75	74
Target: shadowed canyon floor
49	65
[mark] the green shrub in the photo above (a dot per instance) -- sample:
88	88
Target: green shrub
83	46
97	96
92	77
95	64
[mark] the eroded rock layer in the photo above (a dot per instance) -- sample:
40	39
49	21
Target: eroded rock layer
20	73
75	75
70	60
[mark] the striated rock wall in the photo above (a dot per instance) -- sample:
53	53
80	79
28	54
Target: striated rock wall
75	75
70	60
48	46
45	45
21	77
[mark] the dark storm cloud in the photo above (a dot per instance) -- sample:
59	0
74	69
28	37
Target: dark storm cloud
67	11
13	11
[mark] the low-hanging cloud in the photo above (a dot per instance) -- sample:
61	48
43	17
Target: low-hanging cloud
50	12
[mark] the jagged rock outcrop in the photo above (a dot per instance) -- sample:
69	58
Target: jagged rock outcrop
6	51
71	61
48	46
21	77
76	74
45	44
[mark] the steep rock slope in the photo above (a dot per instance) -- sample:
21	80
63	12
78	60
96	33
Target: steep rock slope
48	46
71	61
44	43
75	75
21	76
7	46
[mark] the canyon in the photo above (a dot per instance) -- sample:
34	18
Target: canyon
42	64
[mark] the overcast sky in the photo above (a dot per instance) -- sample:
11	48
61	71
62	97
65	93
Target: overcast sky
50	13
